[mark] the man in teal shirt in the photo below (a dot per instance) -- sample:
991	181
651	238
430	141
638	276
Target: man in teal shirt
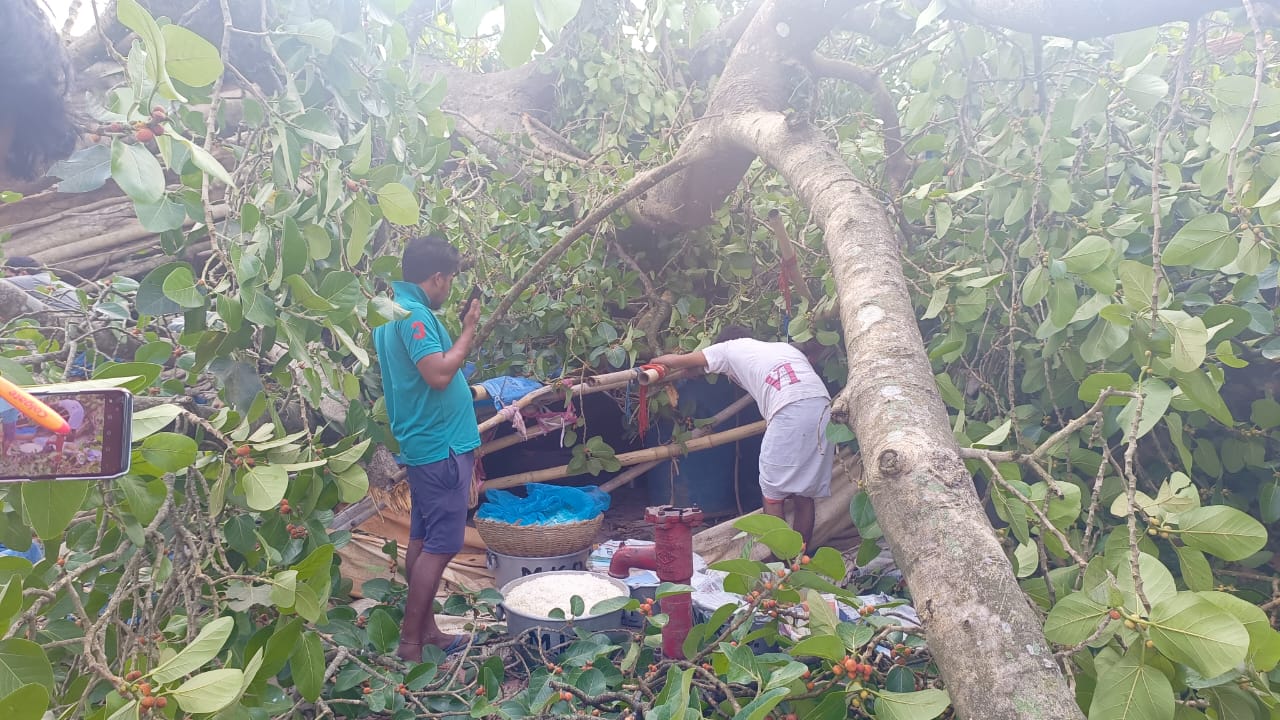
434	422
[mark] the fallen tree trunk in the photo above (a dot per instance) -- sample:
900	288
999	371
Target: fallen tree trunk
988	640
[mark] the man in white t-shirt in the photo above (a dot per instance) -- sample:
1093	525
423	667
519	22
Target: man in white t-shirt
795	455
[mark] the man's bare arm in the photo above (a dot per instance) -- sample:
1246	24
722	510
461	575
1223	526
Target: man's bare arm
672	361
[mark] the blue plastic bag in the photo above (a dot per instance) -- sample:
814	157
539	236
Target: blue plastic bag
545	505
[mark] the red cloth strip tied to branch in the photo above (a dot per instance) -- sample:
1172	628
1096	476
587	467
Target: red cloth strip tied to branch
642	413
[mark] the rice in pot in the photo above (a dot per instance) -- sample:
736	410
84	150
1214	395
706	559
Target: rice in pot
542	593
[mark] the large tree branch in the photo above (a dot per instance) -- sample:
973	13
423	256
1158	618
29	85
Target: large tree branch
767	71
1081	19
988	641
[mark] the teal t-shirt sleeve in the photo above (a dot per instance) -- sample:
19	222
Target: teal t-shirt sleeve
420	333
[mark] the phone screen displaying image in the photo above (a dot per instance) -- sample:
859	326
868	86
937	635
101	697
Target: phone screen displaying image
96	447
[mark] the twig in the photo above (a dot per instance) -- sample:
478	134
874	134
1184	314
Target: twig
1044	519
633	190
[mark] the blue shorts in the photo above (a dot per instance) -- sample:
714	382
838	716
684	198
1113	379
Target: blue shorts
439	493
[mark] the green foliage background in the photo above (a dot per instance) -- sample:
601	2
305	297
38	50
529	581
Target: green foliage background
1078	216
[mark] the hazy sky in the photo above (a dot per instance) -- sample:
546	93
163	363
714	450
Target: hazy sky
58	8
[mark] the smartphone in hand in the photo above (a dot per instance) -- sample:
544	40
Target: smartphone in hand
98	446
472	298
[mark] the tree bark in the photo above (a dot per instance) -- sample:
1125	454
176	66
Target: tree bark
988	641
767	71
1081	19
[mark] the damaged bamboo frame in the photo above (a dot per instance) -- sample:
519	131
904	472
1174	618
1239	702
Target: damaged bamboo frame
632	458
586	386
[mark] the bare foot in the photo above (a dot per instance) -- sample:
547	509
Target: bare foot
409	651
449	643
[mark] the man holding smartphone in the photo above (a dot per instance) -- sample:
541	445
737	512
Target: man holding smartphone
433	420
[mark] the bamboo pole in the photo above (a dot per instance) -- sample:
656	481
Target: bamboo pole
636	471
593	384
631	458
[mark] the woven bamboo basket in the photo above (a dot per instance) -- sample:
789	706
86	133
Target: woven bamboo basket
539	540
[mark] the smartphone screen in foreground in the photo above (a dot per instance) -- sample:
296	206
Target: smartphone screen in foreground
96	448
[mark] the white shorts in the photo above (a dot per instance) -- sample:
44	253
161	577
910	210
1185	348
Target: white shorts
795	455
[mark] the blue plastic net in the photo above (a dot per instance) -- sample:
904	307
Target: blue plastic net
545	505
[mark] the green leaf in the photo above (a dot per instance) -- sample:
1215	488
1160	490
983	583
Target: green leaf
1074	619
145	496
555	14
189	58
827	647
1137	282
28	702
1189	629
1197	386
1035	285
1092	106
759	524
1063	303
1196	572
520	31
86	170
209	692
265	486
316	126
307	665
1088	255
49	505
133	376
137	172
23	662
785	544
383	633
180	287
169	452
828	561
759	708
10	600
1156	396
136	18
151	299
1221	531
398	204
161	216
204	648
1190	339
1269	501
1132	690
341	461
1091	389
467	15
205	162
922	705
995	437
1206	242
319	34
1264	651
1146	90
353	484
611	605
307	297
1265	413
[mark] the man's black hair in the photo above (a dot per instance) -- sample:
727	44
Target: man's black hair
21	261
35	78
734	332
427	255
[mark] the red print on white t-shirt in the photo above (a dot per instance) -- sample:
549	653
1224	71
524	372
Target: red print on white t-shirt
779	373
